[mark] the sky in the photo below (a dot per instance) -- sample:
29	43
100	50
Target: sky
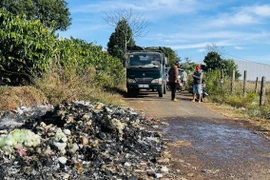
240	29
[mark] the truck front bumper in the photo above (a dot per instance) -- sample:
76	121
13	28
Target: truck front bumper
143	86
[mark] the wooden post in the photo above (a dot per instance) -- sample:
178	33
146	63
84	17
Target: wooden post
245	84
256	85
262	93
221	78
232	81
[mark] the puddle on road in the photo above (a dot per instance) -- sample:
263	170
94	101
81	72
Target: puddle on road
218	142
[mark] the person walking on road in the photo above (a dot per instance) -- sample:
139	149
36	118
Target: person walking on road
197	83
173	79
184	79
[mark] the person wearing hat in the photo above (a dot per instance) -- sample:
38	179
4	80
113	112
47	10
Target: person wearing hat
197	83
173	79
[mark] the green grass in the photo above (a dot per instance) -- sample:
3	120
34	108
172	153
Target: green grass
250	104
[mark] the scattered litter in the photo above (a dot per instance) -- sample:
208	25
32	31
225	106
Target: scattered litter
79	140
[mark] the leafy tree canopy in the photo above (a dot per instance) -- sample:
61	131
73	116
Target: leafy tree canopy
230	65
212	61
53	13
120	39
172	55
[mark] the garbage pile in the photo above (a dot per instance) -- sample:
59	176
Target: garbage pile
17	117
82	140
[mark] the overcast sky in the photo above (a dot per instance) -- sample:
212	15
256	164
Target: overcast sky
239	28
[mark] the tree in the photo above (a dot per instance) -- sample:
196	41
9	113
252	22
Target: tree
135	22
230	65
172	55
120	39
212	61
52	13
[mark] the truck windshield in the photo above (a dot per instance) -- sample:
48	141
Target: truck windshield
144	60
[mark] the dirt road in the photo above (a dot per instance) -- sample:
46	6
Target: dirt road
205	144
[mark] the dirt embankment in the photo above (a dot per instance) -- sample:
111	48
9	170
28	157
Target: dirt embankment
12	97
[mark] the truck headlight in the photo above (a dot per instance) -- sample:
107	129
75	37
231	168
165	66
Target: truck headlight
159	81
131	80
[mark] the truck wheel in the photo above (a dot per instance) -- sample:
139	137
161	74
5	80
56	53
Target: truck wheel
160	91
132	92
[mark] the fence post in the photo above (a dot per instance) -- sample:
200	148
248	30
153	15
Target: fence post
232	81
245	84
262	93
256	85
221	78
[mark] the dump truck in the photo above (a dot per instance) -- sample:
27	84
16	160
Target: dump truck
145	69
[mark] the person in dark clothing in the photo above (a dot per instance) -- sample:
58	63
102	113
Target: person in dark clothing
173	79
197	83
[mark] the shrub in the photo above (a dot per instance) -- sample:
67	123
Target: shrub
67	84
26	48
78	54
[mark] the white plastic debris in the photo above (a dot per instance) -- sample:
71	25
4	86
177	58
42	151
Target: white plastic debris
22	137
62	160
164	169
